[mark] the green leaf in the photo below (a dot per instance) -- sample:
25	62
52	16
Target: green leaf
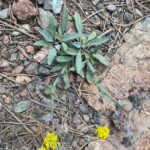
68	37
56	68
90	77
78	62
101	59
91	36
64	19
51	55
97	42
65	47
45	34
78	22
90	66
41	43
66	80
71	51
52	26
72	69
63	59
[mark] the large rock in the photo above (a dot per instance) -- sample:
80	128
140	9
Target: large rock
130	68
24	9
100	145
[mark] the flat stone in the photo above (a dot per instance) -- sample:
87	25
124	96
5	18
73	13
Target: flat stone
14	57
47	4
128	17
4	13
111	8
83	109
43	71
43	19
2	90
22	106
32	69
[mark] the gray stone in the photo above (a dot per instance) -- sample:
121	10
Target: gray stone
43	19
76	119
48	4
22	106
83	109
32	69
16	98
69	96
128	17
4	13
86	118
43	71
26	63
15	33
13	57
67	138
111	8
97	117
2	90
48	118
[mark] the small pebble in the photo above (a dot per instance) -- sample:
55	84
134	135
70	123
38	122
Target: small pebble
128	17
30	49
111	8
86	118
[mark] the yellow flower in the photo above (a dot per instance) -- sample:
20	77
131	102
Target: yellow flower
42	148
102	132
51	141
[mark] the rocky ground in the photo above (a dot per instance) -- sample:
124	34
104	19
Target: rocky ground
121	101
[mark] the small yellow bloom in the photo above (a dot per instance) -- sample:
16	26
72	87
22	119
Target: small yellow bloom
102	132
50	142
42	148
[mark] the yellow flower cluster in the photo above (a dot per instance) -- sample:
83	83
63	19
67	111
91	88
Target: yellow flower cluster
102	132
50	142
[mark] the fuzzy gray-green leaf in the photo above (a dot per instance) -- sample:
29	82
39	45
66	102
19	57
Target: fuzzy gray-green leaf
101	59
89	76
66	80
72	36
41	43
64	19
51	55
56	68
90	66
91	36
97	42
78	62
78	22
45	34
52	26
63	59
71	51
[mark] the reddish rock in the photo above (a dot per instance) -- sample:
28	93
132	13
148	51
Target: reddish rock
24	9
92	97
130	68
